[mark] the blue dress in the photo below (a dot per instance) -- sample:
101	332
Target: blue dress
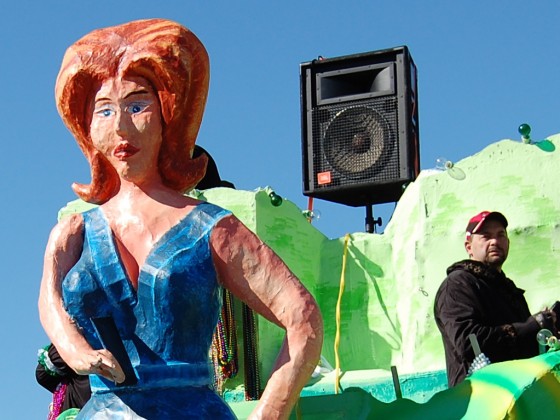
166	324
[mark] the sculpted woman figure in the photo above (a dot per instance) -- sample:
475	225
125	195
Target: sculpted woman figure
149	257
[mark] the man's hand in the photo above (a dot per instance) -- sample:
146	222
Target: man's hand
547	319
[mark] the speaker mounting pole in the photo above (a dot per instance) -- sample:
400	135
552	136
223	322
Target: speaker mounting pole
371	223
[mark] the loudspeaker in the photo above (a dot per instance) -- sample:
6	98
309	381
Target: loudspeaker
360	126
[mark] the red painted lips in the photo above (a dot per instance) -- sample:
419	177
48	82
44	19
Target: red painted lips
125	150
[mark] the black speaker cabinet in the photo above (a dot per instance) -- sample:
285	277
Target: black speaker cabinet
360	127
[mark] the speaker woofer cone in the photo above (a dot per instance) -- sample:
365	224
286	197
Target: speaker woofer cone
356	141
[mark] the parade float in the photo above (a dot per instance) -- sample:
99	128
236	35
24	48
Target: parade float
382	356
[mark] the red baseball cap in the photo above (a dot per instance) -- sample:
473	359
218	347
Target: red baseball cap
476	222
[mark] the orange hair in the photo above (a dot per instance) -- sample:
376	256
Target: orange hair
173	60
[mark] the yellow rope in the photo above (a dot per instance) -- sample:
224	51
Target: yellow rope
337	335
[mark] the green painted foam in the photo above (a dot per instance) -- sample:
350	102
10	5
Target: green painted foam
391	278
521	389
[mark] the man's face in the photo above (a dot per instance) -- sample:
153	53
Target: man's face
490	245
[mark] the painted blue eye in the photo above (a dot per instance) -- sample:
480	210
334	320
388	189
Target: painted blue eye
104	111
136	107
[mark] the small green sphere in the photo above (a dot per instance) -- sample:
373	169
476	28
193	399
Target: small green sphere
524	130
275	199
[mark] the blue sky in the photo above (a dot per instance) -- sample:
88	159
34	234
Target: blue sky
484	67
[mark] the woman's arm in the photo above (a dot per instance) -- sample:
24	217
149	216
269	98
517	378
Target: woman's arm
256	275
64	248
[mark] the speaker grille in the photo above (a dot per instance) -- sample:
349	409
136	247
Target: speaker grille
356	141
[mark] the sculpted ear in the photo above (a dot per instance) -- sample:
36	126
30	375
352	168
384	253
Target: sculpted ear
468	247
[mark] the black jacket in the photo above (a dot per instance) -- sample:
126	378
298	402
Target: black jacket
78	390
475	298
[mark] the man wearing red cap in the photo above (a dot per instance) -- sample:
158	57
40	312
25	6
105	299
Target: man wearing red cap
477	298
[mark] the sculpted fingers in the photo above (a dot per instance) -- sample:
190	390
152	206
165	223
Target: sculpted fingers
101	362
96	362
110	367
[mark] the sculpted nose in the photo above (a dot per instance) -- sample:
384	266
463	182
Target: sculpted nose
121	123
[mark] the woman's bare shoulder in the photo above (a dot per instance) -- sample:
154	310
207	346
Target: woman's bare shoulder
67	231
230	228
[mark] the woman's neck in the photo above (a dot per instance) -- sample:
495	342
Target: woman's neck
133	197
